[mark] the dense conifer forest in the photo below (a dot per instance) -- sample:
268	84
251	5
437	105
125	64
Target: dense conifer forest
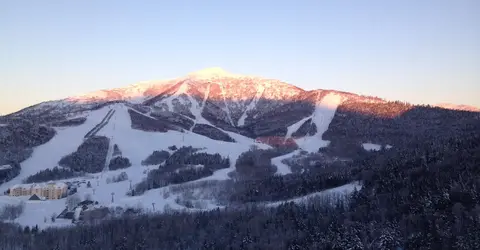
423	197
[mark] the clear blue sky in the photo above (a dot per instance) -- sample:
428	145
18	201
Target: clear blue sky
420	51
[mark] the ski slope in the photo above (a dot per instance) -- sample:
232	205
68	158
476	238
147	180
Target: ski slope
137	145
322	116
251	105
282	168
65	141
330	194
134	144
294	127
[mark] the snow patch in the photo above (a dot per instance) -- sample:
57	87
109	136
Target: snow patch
371	147
199	166
4	167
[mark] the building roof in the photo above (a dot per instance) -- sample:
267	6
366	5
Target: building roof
40	185
85	202
21	186
35	197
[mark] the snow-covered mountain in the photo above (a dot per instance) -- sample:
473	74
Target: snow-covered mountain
458	107
247	105
198	126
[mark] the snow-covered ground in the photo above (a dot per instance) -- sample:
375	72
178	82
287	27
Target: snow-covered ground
134	144
3	167
251	105
294	127
374	147
283	169
63	143
371	146
102	190
329	193
137	145
323	115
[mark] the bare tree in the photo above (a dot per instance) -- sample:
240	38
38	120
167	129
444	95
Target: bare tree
11	212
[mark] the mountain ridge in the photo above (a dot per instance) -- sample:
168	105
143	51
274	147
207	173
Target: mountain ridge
141	92
461	107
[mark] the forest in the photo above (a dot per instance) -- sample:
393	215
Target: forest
425	197
183	165
89	157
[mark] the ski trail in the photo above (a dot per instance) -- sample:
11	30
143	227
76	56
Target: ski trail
207	94
323	115
65	141
227	110
111	143
251	105
181	90
99	126
283	169
294	127
199	116
196	108
109	155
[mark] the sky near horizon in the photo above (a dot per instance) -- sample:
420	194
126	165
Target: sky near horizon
417	51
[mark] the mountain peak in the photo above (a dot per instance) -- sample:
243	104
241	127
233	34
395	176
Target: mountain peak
210	72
